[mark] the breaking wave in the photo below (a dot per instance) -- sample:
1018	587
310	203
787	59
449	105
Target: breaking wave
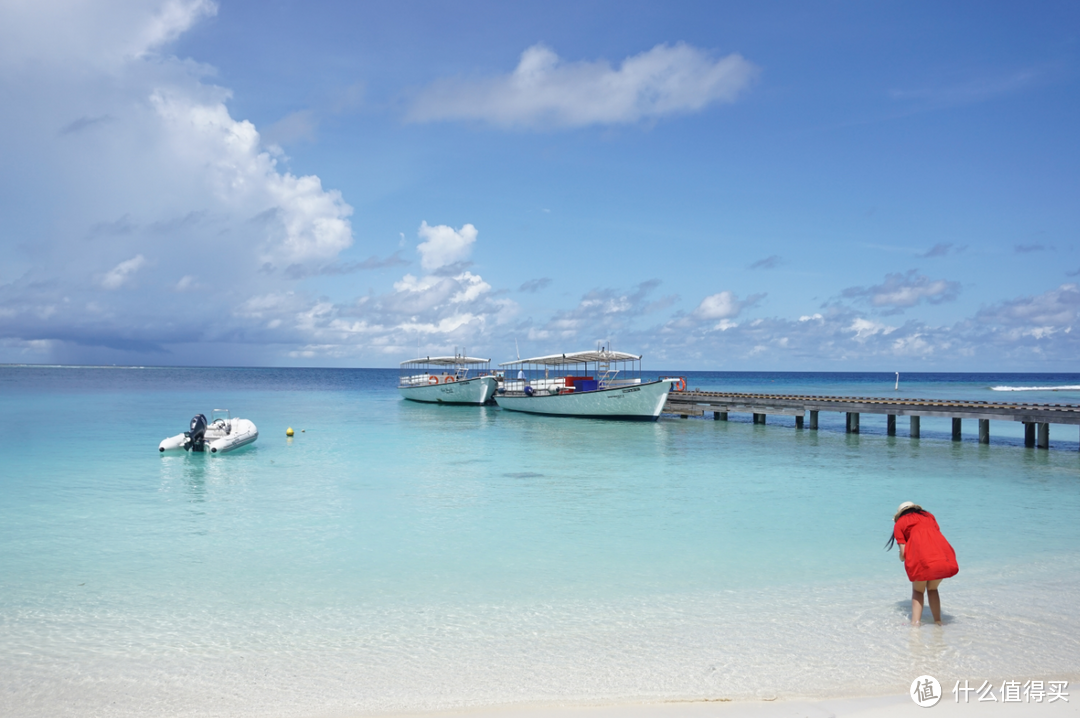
1070	387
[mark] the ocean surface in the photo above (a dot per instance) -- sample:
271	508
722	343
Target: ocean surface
393	556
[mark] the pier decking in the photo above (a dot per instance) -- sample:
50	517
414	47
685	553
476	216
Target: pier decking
1036	418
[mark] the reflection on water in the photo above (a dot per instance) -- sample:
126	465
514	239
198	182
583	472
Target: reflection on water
200	477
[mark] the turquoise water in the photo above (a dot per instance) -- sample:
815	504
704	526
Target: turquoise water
402	557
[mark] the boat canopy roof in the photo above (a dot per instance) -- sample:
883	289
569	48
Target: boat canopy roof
576	358
446	361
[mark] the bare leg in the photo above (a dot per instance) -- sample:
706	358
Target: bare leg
916	607
935	604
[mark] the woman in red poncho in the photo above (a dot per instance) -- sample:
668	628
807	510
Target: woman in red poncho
926	554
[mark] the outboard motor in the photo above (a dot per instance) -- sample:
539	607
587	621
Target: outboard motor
196	436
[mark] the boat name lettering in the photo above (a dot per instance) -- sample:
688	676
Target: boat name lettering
627	391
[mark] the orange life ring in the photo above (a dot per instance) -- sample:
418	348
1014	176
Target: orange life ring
433	379
449	379
679	385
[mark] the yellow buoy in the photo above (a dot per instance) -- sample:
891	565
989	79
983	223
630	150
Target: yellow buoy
289	431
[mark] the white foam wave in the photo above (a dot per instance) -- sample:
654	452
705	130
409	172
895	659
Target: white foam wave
1067	387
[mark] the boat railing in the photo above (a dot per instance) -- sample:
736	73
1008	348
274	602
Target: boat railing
437	377
518	385
563	384
542	387
416	380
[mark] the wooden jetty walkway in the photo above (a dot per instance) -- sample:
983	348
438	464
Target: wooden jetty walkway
1036	418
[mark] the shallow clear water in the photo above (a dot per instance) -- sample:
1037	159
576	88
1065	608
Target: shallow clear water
396	556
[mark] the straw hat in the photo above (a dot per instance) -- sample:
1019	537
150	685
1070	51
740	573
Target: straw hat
904	507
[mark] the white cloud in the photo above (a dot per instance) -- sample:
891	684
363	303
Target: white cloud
171	20
310	224
104	33
1022	333
141	151
900	291
724	306
440	311
444	245
545	91
913	345
865	328
603	314
473	287
1058	308
119	275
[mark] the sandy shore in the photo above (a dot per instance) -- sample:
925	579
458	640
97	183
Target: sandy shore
898	706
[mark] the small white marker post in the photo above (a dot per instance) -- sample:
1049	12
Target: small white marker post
897	387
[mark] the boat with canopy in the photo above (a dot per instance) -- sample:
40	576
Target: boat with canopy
599	384
457	379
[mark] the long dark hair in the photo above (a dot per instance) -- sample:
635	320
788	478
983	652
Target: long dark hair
905	512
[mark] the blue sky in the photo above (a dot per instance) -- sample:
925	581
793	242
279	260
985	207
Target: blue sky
784	186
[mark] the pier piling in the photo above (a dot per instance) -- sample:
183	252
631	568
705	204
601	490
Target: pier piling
1036	418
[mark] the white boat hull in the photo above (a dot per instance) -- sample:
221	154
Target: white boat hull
242	432
477	390
642	402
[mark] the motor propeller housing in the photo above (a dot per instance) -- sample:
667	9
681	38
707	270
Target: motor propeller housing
196	435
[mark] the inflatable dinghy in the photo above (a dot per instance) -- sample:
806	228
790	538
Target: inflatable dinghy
223	433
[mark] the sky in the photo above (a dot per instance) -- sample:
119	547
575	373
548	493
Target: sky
783	186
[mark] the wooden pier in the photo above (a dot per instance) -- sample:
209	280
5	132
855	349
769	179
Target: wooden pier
1036	418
